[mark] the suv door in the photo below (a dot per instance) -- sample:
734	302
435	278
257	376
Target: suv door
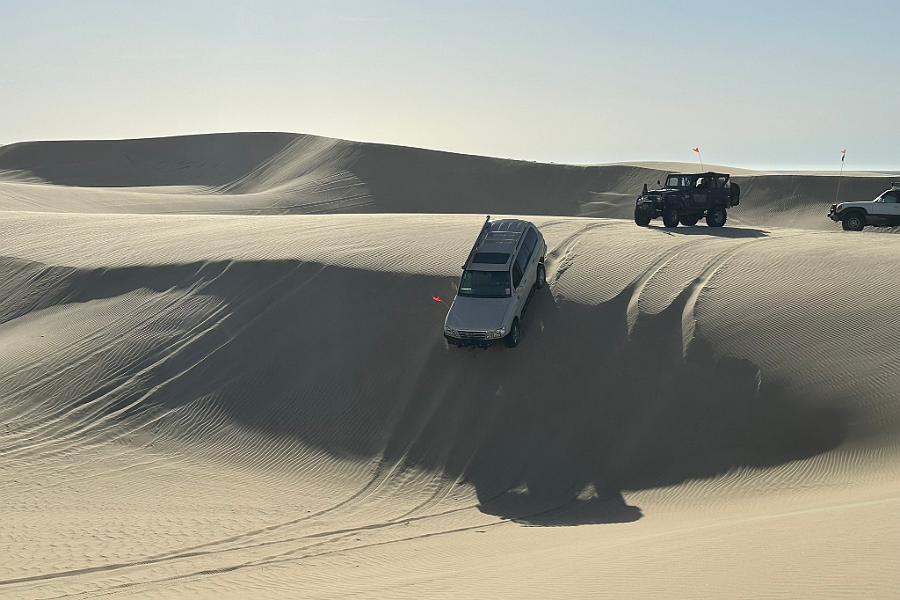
890	207
524	269
720	193
700	192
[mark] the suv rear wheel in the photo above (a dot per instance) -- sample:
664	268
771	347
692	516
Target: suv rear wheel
670	216
716	216
689	220
512	338
853	222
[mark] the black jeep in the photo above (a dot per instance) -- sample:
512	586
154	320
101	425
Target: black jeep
686	198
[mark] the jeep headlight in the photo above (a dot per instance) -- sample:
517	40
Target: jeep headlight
839	206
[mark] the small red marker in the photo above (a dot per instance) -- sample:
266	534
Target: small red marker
437	298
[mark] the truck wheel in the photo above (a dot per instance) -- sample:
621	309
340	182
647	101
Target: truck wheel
512	338
853	222
670	216
716	216
641	217
689	221
541	279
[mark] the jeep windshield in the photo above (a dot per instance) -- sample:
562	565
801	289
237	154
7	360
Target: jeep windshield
485	284
678	181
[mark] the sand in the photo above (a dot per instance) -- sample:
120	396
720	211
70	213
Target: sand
208	391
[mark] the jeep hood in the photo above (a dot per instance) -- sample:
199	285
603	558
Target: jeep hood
478	314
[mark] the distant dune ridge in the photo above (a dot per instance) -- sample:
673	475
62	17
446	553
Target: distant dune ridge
222	374
279	173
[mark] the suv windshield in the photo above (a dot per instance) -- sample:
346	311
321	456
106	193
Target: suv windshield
484	284
675	181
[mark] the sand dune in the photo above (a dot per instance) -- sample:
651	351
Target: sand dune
275	173
244	405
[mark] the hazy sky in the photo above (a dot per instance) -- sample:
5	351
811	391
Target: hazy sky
758	84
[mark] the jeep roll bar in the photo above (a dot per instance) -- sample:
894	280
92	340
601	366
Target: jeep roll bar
484	229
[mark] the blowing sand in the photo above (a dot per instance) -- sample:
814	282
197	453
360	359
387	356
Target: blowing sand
204	392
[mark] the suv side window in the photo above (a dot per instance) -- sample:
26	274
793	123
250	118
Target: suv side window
892	197
517	273
529	243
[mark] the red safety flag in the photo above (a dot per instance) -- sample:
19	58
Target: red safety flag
697	149
843	154
437	298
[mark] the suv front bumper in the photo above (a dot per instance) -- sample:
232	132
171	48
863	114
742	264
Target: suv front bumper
472	339
467	343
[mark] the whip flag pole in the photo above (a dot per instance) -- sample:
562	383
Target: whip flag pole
699	156
840	175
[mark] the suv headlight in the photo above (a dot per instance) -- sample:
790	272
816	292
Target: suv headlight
496	333
839	206
451	332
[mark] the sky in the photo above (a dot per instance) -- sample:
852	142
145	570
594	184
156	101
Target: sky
773	85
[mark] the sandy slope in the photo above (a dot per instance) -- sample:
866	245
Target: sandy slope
263	406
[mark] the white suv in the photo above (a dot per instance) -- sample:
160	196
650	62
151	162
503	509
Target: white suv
504	267
883	211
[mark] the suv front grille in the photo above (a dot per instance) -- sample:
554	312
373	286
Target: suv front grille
473	335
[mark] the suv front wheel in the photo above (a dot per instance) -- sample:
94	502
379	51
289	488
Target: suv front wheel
641	217
853	222
541	279
512	338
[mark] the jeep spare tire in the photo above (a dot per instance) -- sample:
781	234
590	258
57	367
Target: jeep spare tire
716	216
670	216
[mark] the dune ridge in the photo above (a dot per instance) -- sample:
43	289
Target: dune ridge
252	404
280	173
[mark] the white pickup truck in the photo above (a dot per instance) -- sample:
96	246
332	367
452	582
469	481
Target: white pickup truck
883	211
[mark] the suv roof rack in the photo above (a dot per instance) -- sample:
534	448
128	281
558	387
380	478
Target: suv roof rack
484	230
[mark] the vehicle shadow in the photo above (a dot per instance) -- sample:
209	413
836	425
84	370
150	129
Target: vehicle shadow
554	432
615	411
726	232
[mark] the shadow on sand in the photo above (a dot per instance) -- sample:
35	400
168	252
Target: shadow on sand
550	433
726	232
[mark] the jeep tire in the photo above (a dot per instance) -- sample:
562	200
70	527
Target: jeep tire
853	221
512	338
689	220
670	216
716	216
641	217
